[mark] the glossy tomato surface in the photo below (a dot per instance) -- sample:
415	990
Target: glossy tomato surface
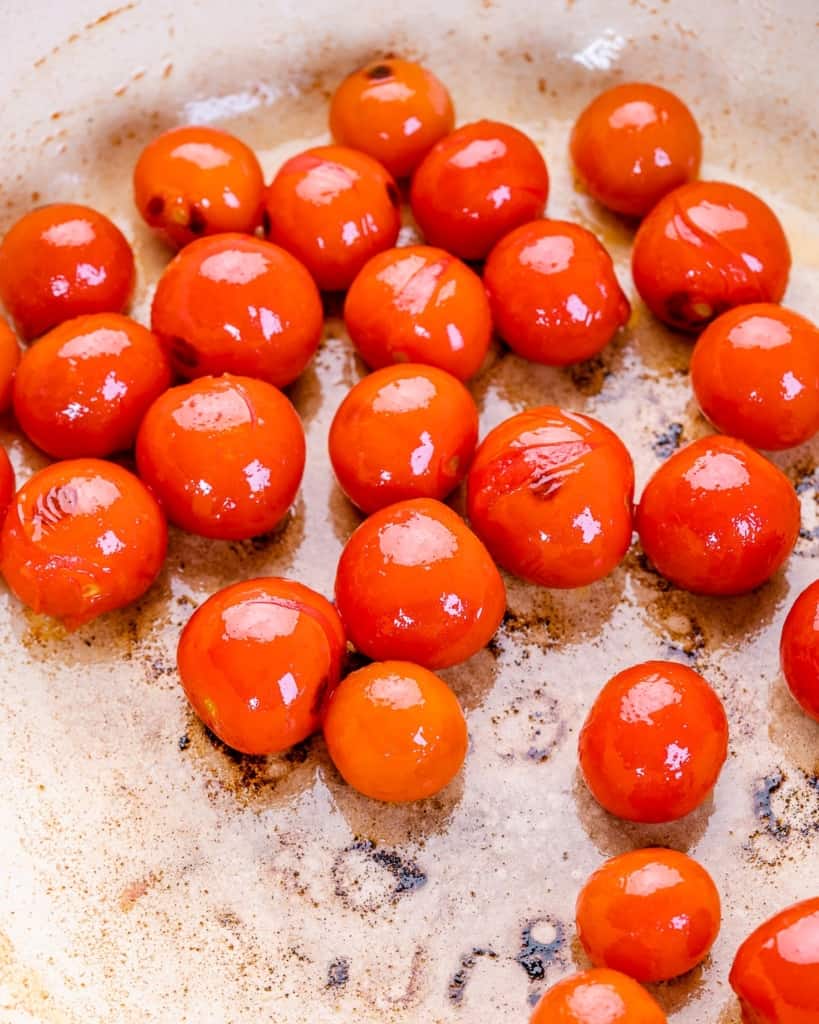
799	650
597	996
9	358
7	483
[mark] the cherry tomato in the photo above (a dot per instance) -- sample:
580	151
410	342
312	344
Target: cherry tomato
62	261
553	293
403	432
755	372
718	518
652	914
82	537
414	583
799	650
393	110
776	970
83	389
224	456
196	181
634	143
707	247
420	305
598	996
333	208
395	731
550	494
9	358
475	185
256	661
654	742
7	483
235	304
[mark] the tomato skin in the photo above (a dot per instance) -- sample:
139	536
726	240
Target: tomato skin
550	493
597	996
554	296
755	372
83	389
776	970
197	180
633	144
799	650
333	208
235	304
62	261
654	742
718	518
705	248
476	185
419	304
652	914
258	435
406	431
395	731
394	111
7	483
415	584
257	660
9	359
81	538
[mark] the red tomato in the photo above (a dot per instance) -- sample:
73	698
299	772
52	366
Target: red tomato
62	261
83	389
7	483
414	583
554	296
405	431
718	518
334	209
9	358
419	305
475	185
81	538
598	996
799	650
234	304
224	455
550	494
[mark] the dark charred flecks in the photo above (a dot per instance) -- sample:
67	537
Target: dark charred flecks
534	957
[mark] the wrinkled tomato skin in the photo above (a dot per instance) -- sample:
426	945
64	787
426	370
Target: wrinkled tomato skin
799	650
597	996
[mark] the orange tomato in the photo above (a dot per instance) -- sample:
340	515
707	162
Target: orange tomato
718	518
234	304
550	494
333	208
553	293
799	650
82	537
403	432
224	456
415	584
475	185
9	358
256	661
395	731
598	996
393	110
652	914
419	305
7	483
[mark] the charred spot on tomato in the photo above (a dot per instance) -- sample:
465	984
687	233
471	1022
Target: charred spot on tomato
197	223
378	71
156	206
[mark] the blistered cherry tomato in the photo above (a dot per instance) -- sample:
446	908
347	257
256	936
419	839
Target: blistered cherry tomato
652	914
799	650
7	483
395	731
414	583
475	185
256	661
9	358
62	261
393	110
334	208
81	538
235	304
224	455
776	970
755	372
598	996
419	305
718	518
707	247
83	389
550	494
403	432
553	293
634	143
654	742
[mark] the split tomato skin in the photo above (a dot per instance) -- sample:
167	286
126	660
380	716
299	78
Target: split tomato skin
597	996
7	483
799	650
9	360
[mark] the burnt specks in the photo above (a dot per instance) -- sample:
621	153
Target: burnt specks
338	973
666	443
763	810
458	981
367	877
379	71
534	955
184	742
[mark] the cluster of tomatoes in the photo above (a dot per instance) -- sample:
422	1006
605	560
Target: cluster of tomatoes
237	315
